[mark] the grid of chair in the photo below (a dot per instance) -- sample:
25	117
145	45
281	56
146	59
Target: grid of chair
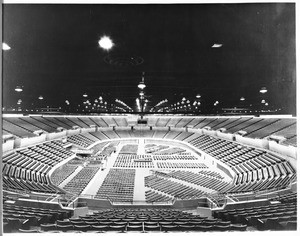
111	134
149	148
142	220
211	173
184	157
278	216
118	185
80	140
78	183
24	219
22	123
27	169
129	149
153	196
172	188
272	128
257	127
255	169
61	173
134	161
199	179
170	151
177	165
99	147
15	129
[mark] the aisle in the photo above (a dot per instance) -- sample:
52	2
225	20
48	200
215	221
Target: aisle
70	177
141	146
139	184
95	183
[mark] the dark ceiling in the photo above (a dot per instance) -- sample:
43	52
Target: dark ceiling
55	53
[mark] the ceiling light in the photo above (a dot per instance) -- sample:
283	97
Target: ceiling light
106	43
85	95
217	45
263	101
198	96
5	47
141	85
41	97
242	99
263	90
266	104
18	89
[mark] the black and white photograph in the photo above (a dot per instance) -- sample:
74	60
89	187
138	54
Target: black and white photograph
148	117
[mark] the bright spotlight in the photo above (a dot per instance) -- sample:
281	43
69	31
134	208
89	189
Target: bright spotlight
5	47
217	45
106	43
263	90
18	89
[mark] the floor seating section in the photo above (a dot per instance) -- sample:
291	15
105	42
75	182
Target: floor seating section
170	151
255	169
61	173
277	216
134	161
152	148
181	156
184	165
142	220
117	186
17	217
129	149
79	182
27	169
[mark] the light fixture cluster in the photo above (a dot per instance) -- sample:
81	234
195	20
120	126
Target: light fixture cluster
120	108
141	101
124	104
162	102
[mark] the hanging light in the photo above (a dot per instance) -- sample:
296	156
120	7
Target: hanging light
41	97
263	90
5	47
84	95
263	101
266	104
141	85
106	43
242	99
198	96
19	102
18	89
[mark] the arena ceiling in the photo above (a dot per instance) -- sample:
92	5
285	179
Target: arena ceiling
55	53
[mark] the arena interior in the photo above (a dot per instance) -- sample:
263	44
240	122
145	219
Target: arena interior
135	147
